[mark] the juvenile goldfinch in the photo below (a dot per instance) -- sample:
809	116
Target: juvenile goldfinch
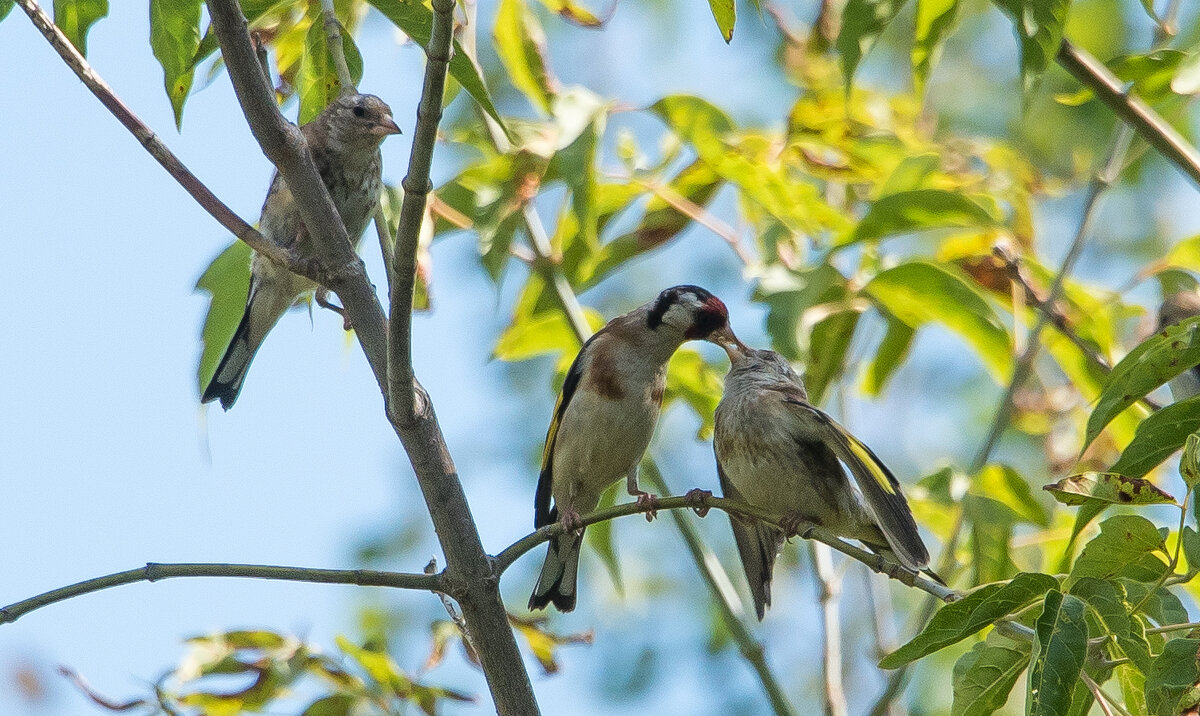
344	139
605	417
775	450
1176	307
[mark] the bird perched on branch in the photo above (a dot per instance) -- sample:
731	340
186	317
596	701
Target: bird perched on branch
605	417
1178	306
344	140
777	451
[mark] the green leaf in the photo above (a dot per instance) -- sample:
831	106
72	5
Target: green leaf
334	705
227	281
603	541
692	380
919	292
892	350
1109	488
984	677
1159	436
1191	548
581	115
1153	362
920	210
521	46
1161	605
991	531
1133	689
6	7
1126	547
1006	486
1189	465
935	20
317	82
76	17
1173	675
545	333
863	21
725	13
1112	615
1059	649
416	20
828	346
175	37
958	620
574	13
1039	27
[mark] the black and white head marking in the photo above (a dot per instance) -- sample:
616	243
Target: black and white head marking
690	309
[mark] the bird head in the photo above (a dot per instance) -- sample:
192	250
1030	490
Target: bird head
696	314
763	368
359	119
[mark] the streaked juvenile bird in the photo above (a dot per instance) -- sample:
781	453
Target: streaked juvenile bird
777	451
1177	306
605	417
344	139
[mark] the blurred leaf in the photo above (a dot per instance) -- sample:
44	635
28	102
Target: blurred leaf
1153	362
828	346
227	281
317	81
891	353
991	531
1059	649
254	639
1112	616
416	20
175	37
1191	548
958	620
693	381
1159	436
76	17
582	116
1109	488
1187	80
724	12
543	643
1173	675
984	677
1152	74
334	705
1189	464
521	47
1125	547
1039	28
603	541
920	210
935	20
574	13
1006	486
863	21
918	292
788	296
6	7
546	333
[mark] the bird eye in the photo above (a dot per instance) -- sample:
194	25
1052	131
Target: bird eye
359	111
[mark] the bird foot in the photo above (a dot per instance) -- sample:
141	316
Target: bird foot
571	521
794	525
322	299
699	500
649	502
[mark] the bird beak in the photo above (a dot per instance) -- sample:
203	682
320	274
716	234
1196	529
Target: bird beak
730	343
386	126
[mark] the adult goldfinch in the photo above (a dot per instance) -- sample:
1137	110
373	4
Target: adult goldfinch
1176	307
344	139
777	451
605	417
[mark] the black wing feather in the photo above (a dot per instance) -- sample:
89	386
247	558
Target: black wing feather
543	514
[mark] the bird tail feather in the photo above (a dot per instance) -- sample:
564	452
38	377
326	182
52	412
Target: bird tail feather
557	582
263	310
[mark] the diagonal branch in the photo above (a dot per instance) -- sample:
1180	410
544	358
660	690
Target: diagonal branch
153	572
148	139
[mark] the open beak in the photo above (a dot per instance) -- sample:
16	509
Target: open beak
730	343
386	126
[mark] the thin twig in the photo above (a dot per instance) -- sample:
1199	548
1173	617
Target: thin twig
702	500
829	585
148	139
1149	125
333	38
153	572
701	216
405	393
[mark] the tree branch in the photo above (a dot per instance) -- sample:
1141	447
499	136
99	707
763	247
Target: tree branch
470	577
154	572
333	38
829	586
701	501
149	140
1133	111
